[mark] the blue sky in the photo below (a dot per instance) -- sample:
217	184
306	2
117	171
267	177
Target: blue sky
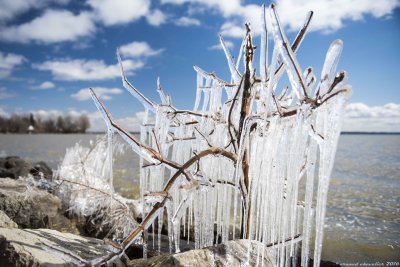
51	51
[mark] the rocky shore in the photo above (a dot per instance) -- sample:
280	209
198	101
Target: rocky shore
37	230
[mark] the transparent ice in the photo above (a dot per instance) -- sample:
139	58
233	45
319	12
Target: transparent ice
247	161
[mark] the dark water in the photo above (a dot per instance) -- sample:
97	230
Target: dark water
363	215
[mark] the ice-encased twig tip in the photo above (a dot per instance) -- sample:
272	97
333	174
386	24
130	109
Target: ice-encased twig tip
147	103
232	67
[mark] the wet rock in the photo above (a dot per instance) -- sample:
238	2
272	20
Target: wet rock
45	247
31	207
6	222
232	253
14	167
4	173
41	169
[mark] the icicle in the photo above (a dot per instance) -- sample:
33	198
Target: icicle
143	152
242	45
294	70
160	91
148	104
110	135
330	64
264	47
234	72
206	152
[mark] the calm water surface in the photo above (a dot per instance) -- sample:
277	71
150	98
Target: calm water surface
363	216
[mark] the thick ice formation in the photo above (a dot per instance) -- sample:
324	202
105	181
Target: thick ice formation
256	166
84	184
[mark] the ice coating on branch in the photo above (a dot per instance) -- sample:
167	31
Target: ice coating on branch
148	104
294	71
85	188
234	72
330	65
264	47
249	161
164	99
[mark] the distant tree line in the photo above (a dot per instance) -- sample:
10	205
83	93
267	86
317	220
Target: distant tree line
29	123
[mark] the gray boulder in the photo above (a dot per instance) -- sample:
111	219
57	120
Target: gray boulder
4	173
40	169
232	253
31	207
6	222
45	247
15	167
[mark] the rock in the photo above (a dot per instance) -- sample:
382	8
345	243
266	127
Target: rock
4	173
15	167
6	222
31	207
232	253
45	247
2	162
41	169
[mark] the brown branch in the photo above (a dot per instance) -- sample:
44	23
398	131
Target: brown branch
285	241
230	124
297	41
171	182
290	54
156	140
154	153
339	78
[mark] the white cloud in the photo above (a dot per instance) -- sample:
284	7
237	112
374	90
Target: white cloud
8	62
86	70
328	15
186	22
5	93
218	46
332	15
3	113
138	49
53	26
156	18
102	92
11	8
129	123
364	118
132	123
112	12
230	29
44	86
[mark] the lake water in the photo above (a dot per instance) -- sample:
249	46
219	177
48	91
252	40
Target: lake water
363	214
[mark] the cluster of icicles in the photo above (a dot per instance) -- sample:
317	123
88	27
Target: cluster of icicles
192	161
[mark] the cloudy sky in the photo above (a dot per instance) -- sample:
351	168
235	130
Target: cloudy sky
51	51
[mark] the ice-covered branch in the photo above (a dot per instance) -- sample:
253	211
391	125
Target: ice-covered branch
287	54
250	149
232	67
141	149
147	103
